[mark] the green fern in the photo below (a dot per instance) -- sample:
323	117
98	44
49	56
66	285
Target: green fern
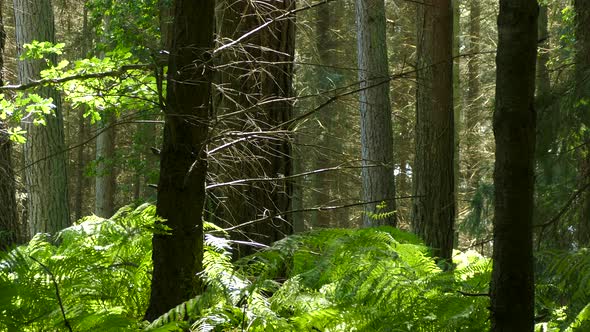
375	279
101	268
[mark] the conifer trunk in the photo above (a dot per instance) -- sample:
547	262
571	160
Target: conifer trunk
512	286
433	211
378	181
178	256
258	89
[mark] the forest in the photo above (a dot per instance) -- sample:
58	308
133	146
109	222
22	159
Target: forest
283	165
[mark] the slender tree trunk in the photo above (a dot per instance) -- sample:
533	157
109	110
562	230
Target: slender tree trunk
433	211
323	188
582	77
80	165
105	170
178	256
375	110
512	287
106	177
45	174
10	230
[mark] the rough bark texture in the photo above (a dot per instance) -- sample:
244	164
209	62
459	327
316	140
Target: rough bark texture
257	88
433	210
512	286
178	256
45	174
582	77
378	179
10	232
105	170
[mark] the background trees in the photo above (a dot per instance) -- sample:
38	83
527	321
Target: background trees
280	137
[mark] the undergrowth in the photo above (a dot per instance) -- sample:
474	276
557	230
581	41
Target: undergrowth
372	279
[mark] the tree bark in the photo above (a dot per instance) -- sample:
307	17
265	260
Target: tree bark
10	230
178	256
325	186
106	177
433	210
378	180
105	170
80	165
259	87
45	174
512	286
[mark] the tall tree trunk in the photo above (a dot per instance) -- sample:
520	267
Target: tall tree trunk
80	165
582	90
433	211
324	188
106	177
378	179
45	174
178	256
259	89
512	286
82	130
10	230
105	170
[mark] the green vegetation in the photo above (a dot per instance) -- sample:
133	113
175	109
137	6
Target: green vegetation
374	279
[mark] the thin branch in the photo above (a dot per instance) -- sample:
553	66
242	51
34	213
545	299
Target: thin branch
318	209
565	207
283	178
59	301
269	22
114	73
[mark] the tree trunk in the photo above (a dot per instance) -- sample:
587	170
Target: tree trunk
105	170
582	90
259	89
80	165
45	174
512	286
178	256
433	211
106	177
10	232
378	181
324	187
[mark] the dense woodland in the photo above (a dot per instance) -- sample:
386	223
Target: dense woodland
282	165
